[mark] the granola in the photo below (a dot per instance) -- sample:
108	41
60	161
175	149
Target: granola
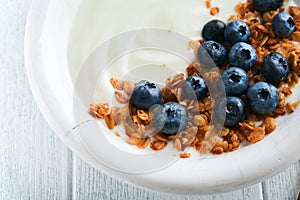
213	10
198	134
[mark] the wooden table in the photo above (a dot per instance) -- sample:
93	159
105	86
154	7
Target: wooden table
35	164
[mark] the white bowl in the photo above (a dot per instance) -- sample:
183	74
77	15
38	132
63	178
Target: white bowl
55	48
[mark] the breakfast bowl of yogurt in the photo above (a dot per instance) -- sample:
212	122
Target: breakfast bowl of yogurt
136	88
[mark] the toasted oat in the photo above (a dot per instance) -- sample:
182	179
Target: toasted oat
295	12
200	120
171	137
295	77
234	140
249	126
287	91
143	116
214	11
110	121
118	115
177	80
129	129
205	128
145	144
269	124
208	4
264	40
281	101
191	70
279	111
168	95
191	131
293	59
158	145
141	131
161	137
240	134
177	145
141	143
290	107
256	135
242	9
179	94
114	82
212	76
127	87
225	132
217	150
209	103
193	45
121	97
205	148
267	17
185	155
99	110
233	17
136	119
185	141
221	144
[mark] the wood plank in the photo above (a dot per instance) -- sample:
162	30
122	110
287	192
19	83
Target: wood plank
285	185
92	184
33	162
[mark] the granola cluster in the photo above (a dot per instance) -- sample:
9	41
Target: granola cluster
213	10
199	133
264	41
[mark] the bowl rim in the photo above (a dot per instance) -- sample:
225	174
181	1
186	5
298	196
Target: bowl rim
33	30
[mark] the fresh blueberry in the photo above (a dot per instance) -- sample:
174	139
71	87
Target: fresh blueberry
275	68
266	5
283	24
146	94
262	97
171	118
237	31
195	85
214	30
216	51
242	55
235	81
232	109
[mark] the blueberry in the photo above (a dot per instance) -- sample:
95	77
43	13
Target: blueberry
214	30
195	85
262	97
235	81
275	68
266	5
242	55
283	24
234	110
216	51
146	94
237	31
171	118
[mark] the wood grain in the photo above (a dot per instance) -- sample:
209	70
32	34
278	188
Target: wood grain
33	162
285	185
92	184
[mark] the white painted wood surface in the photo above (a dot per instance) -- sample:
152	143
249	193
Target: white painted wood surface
35	164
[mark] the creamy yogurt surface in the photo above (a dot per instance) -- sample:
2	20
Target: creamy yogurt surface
98	21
